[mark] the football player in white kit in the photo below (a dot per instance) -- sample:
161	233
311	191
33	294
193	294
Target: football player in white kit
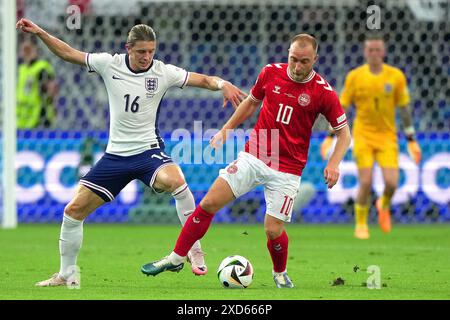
136	84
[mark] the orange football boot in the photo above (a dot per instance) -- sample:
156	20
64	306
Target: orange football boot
384	217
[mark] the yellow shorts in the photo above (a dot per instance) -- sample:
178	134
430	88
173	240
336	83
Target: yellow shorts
366	152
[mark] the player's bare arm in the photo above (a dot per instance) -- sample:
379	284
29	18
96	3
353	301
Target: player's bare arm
413	147
244	111
58	47
405	115
230	92
331	172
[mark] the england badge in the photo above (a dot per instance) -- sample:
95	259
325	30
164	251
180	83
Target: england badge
151	84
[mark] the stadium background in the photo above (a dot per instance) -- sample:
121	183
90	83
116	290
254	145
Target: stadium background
235	40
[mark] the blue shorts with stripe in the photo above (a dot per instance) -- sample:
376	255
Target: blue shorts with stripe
112	172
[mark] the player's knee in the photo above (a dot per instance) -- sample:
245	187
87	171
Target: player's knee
75	211
273	231
272	234
172	184
365	184
390	186
178	182
209	205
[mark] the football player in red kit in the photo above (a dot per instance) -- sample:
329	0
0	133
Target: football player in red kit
292	96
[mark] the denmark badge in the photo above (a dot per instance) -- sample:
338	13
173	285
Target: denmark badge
304	99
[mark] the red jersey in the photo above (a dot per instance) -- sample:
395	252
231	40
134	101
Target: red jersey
291	107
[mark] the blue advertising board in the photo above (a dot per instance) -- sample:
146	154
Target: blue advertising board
48	170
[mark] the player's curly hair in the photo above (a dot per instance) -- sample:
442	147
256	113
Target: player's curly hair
140	32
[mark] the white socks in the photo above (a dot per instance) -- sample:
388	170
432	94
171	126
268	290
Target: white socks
185	204
176	259
279	273
70	241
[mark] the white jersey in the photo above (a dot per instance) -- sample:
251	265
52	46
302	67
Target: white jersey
134	100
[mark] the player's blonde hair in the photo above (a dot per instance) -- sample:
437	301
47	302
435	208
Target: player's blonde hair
374	36
140	32
303	38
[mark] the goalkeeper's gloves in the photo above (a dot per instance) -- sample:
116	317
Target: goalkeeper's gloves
326	145
414	150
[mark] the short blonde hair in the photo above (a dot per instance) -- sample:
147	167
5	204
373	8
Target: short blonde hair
140	32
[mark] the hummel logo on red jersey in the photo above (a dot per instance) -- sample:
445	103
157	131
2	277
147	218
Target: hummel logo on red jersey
277	89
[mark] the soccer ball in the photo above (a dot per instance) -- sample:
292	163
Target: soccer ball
235	272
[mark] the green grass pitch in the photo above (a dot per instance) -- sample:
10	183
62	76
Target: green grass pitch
414	263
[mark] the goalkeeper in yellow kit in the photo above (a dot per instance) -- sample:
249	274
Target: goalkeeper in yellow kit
376	89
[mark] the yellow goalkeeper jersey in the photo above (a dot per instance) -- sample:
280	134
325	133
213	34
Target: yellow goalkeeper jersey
375	97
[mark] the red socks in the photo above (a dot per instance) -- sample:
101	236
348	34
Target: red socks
278	249
197	225
194	229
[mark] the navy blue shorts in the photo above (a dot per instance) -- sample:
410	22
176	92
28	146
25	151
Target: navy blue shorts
112	172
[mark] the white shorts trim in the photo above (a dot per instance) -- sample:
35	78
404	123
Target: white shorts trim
94	186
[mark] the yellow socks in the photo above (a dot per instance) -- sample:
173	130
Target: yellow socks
385	202
361	214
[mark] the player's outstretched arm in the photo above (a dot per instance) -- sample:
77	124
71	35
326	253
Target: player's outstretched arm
58	47
242	113
230	92
331	172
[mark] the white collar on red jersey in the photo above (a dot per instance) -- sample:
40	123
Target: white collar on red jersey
308	78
